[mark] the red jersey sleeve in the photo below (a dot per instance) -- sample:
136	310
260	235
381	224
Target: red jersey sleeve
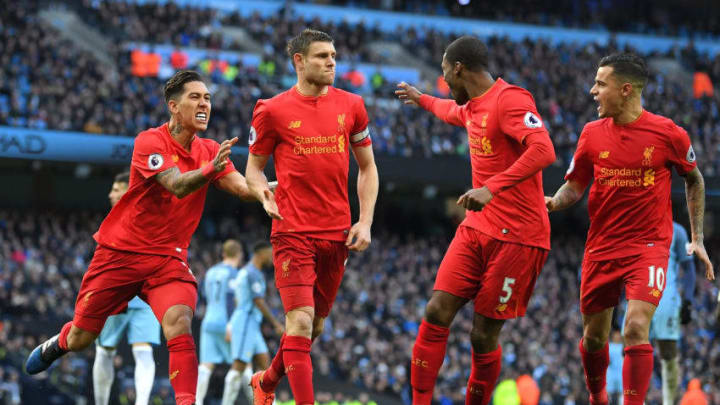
518	115
151	155
360	133
262	137
581	166
682	153
445	109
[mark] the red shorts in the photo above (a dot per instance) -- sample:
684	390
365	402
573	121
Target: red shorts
499	276
308	271
114	277
602	281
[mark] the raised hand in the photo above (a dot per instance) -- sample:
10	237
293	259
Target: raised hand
408	94
221	159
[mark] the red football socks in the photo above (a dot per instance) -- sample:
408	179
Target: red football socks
183	370
62	339
483	377
595	365
298	367
427	358
637	370
272	375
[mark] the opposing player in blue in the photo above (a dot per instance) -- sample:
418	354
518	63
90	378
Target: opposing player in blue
673	310
214	349
247	341
142	329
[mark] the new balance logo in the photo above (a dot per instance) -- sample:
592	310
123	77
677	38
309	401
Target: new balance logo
294	124
174	374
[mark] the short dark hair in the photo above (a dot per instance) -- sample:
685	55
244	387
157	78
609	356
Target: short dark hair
628	66
258	246
176	85
469	51
301	42
123	177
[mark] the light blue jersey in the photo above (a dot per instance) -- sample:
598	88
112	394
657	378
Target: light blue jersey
250	284
216	289
247	339
678	255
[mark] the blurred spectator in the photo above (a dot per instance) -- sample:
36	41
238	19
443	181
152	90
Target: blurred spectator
694	394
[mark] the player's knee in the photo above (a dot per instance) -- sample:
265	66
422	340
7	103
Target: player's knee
299	323
636	332
177	323
438	314
593	341
483	341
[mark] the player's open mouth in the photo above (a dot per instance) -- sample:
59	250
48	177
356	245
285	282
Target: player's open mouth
202	117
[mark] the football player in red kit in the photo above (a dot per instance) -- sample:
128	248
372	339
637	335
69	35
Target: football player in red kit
501	246
310	131
143	241
630	154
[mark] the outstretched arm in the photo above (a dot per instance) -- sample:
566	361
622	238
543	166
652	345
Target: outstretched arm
182	184
567	195
367	188
695	195
445	109
235	184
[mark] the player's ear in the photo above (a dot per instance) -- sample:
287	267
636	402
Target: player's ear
172	106
457	68
298	60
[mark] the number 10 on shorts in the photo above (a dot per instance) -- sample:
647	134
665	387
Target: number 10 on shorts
656	277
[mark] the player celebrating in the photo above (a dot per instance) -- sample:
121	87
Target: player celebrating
142	243
247	340
630	153
309	130
501	246
214	349
142	331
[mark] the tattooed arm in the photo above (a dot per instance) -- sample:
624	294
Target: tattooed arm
695	195
567	195
182	184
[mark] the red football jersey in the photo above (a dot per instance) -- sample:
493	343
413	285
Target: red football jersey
309	139
148	218
629	203
497	124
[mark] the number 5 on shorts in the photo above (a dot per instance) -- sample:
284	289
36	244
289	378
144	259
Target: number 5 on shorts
657	278
507	289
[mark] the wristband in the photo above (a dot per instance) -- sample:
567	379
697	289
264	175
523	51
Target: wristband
208	170
719	296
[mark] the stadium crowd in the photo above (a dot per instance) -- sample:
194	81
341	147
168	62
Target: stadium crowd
369	336
47	83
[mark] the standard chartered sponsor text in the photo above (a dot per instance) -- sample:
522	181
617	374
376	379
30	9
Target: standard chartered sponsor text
314	145
633	177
